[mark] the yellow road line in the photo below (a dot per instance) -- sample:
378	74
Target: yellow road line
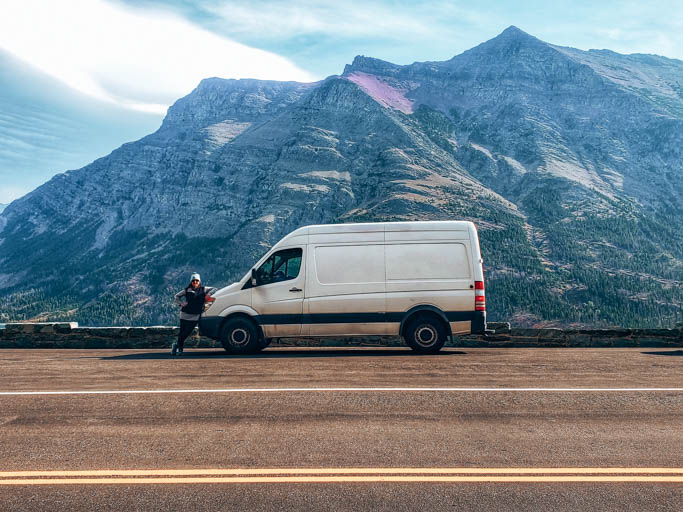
338	471
341	479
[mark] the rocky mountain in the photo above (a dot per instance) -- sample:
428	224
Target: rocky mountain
568	161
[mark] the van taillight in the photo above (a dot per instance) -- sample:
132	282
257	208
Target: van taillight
479	296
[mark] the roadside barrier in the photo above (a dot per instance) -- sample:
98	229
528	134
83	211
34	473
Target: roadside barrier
70	335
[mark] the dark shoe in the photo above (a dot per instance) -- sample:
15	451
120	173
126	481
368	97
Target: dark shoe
174	349
180	351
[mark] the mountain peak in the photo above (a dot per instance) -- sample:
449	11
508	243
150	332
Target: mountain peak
510	42
514	32
511	35
371	65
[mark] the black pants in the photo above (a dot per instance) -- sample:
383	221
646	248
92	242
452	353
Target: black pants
186	328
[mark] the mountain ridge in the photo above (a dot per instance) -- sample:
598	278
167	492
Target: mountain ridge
567	173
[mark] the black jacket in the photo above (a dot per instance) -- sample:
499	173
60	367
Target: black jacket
195	300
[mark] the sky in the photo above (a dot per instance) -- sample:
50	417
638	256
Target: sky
80	77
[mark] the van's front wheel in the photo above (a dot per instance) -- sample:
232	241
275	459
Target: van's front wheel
239	336
425	334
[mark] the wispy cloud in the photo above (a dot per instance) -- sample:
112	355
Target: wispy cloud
140	59
345	18
641	40
452	26
323	36
411	22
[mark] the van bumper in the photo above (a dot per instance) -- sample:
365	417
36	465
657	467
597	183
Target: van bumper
479	322
209	326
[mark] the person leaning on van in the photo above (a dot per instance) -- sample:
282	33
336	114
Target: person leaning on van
191	301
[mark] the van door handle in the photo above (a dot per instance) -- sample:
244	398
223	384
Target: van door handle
295	289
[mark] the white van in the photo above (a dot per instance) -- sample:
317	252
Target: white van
420	280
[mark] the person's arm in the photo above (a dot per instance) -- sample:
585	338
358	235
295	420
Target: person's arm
207	295
178	297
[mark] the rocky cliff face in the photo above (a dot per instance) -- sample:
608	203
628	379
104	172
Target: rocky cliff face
568	161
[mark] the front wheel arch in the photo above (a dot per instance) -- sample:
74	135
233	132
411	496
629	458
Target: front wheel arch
242	315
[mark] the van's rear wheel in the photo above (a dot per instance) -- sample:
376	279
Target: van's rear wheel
239	336
425	334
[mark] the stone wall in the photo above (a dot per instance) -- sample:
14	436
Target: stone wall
70	335
521	337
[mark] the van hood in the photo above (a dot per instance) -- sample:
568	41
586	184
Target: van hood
228	289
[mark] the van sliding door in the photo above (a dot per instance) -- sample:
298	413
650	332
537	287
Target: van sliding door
345	290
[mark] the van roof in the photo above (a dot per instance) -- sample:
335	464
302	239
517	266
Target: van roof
366	227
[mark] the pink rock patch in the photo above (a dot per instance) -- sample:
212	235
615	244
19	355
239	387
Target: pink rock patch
383	93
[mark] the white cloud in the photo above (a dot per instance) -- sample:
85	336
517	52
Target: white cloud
330	34
445	27
637	40
140	59
343	18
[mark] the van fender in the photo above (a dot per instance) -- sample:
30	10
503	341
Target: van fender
242	310
239	308
424	307
211	325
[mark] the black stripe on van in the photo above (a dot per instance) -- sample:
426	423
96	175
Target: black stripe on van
452	316
352	318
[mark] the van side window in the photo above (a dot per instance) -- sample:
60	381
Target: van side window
281	266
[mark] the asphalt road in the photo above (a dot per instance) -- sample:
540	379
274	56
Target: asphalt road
342	429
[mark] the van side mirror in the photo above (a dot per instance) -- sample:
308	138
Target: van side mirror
254	279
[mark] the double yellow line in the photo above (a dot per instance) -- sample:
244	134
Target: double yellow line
338	475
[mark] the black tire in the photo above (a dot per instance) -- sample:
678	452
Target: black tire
240	336
425	334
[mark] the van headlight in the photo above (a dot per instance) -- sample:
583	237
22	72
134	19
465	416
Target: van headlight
209	303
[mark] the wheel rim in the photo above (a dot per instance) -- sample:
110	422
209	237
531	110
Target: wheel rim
239	336
426	335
